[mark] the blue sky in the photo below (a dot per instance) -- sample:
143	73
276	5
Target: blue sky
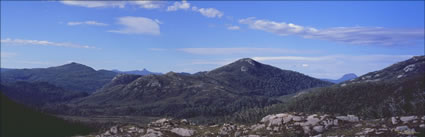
320	39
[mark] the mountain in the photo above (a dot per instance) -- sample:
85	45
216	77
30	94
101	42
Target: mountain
73	76
19	121
225	90
346	77
252	77
138	72
396	90
38	94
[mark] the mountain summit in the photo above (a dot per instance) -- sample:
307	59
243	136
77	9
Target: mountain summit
252	77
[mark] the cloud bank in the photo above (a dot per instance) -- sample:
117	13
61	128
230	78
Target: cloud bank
350	35
43	43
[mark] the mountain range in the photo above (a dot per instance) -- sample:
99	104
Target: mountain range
242	91
242	84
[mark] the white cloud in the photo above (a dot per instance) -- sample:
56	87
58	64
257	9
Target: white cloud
211	12
304	65
233	27
207	12
233	51
184	5
147	4
137	25
113	4
7	54
94	23
43	43
351	35
280	28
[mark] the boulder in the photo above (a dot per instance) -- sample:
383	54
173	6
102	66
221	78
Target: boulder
183	132
348	118
318	129
407	119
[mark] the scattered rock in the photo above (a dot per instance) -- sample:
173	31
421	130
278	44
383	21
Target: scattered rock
283	124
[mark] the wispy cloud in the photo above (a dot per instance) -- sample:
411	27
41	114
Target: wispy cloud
113	4
157	49
138	25
232	51
5	54
94	23
351	35
231	27
43	43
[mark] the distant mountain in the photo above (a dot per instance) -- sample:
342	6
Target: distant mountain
20	121
346	77
73	76
239	85
38	94
138	72
396	90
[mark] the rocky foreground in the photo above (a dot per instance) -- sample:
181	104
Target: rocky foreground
284	124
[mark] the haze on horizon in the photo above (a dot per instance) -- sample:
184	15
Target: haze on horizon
320	39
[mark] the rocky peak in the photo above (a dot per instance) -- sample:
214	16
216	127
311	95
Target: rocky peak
244	65
249	61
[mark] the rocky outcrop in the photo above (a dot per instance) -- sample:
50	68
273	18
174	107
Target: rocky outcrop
283	124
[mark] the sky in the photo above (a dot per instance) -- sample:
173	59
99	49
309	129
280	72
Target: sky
324	39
